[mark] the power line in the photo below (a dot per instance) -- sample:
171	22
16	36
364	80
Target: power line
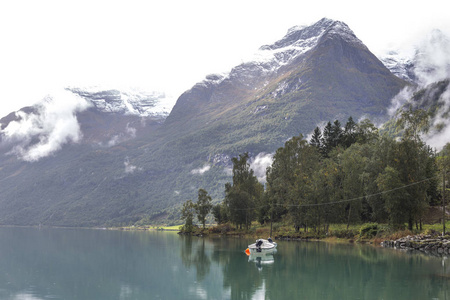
342	201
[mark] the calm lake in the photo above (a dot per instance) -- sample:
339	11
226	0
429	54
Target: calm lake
86	264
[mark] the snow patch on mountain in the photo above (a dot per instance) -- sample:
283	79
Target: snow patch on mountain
130	101
401	65
301	39
423	63
269	58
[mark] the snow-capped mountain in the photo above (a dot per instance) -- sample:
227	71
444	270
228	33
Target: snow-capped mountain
130	101
270	58
424	63
114	166
400	65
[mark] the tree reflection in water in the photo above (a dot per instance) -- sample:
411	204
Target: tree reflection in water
199	259
316	270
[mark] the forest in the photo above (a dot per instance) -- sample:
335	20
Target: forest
349	174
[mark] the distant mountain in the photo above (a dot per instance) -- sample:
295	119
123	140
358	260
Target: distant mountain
424	63
118	163
400	65
314	73
128	102
427	67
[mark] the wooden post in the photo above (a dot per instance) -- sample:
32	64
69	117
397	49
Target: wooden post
443	202
271	219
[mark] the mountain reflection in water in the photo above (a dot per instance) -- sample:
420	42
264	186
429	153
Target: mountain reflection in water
92	264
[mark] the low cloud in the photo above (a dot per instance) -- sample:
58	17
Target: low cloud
228	171
399	100
440	133
52	124
433	58
259	165
130	132
431	64
129	168
202	170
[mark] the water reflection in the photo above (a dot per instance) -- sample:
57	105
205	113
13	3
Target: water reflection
261	259
84	264
195	257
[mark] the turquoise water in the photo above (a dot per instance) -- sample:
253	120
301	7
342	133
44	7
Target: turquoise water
84	264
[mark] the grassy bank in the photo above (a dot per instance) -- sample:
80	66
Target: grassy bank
336	233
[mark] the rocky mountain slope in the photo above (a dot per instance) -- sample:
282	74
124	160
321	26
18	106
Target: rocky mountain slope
116	163
316	73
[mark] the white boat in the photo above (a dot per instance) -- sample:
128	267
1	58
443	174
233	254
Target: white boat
262	245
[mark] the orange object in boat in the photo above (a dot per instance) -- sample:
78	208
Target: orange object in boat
247	251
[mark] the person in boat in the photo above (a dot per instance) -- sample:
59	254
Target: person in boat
258	245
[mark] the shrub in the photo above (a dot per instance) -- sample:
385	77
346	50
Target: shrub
344	233
369	230
220	228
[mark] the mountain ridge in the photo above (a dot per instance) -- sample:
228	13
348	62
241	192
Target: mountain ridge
147	172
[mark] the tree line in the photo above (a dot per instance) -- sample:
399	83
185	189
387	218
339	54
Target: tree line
344	174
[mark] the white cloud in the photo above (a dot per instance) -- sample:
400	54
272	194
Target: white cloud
202	170
432	64
134	40
259	165
399	100
130	132
43	132
228	171
129	168
438	139
433	58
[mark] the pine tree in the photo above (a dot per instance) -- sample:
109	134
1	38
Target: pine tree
327	139
316	139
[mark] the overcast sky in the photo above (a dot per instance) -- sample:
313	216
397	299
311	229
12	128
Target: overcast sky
170	45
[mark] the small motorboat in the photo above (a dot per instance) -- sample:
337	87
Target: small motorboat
262	245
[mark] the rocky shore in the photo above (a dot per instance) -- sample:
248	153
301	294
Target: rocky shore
424	243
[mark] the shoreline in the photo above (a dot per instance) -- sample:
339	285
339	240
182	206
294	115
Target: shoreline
427	243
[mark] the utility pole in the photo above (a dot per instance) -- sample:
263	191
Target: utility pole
443	202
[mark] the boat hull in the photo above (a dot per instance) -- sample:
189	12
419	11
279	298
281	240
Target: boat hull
262	245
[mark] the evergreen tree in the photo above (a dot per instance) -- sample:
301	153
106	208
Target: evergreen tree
327	139
316	139
349	134
336	134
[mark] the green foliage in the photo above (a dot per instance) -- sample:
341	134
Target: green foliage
244	194
369	230
373	179
187	214
203	206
